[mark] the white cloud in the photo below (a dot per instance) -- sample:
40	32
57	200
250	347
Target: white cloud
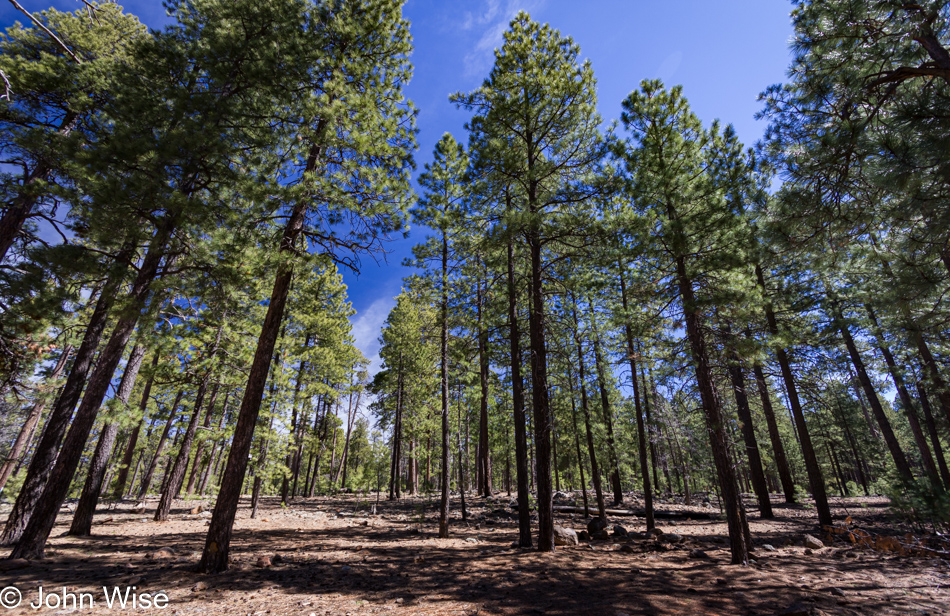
367	326
494	21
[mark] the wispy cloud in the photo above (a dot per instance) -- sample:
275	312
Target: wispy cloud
492	22
367	326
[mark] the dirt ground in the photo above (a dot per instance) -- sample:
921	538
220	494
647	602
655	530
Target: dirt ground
333	556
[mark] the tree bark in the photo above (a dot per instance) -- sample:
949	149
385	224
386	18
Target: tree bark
748	429
739	538
44	456
121	479
517	401
147	479
86	508
815	480
900	461
591	450
910	410
33	542
444	391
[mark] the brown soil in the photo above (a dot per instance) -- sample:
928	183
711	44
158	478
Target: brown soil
337	558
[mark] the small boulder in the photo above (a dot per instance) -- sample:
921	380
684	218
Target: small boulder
263	562
162	554
670	538
655	532
199	587
627	549
596	524
812	542
698	554
601	535
471	540
564	536
583	536
276	559
620	531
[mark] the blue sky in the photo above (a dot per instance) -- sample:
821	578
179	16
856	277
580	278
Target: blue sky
723	53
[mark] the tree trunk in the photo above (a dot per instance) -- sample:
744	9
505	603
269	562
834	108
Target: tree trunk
641	429
748	429
119	491
29	426
86	508
32	544
44	456
517	402
177	475
444	391
483	458
214	558
909	409
735	516
612	458
778	449
150	472
815	480
196	466
900	461
580	461
591	451
932	432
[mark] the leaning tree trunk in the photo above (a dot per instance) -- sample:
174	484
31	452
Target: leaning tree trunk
32	544
121	479
932	432
86	508
177	475
737	380
217	544
815	479
150	471
57	422
910	411
778	449
739	538
900	460
29	426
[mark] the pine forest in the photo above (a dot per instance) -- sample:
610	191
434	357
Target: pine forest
633	366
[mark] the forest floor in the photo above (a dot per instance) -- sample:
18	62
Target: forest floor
332	556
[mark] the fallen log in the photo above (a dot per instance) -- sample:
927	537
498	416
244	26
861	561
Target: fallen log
659	514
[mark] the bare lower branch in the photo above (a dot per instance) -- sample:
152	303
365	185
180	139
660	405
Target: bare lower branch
49	32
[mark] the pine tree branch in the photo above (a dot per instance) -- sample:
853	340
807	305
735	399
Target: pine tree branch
909	72
40	25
